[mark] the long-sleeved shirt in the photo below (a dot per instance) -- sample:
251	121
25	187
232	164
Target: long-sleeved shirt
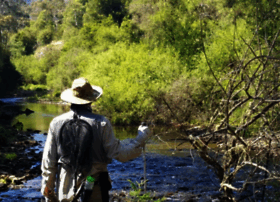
112	149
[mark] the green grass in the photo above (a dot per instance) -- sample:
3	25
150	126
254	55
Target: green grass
137	193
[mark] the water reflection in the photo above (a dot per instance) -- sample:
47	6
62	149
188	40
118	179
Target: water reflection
42	116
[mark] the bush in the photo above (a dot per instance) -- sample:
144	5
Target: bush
129	77
45	36
23	43
66	70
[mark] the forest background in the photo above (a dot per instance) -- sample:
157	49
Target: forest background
138	51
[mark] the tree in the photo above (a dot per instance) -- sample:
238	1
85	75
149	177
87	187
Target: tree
54	7
73	15
23	42
98	9
10	79
242	110
12	17
169	24
44	27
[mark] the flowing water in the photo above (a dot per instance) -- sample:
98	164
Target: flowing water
168	169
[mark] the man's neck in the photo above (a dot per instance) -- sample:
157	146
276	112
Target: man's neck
79	108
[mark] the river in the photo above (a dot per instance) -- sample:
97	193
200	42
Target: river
169	170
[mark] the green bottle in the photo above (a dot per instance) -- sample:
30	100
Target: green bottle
89	183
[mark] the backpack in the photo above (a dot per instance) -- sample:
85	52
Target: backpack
75	140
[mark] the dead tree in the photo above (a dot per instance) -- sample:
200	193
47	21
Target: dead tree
244	124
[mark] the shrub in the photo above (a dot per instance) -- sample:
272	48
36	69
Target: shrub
45	36
129	76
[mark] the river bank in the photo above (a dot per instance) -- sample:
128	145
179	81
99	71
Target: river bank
17	158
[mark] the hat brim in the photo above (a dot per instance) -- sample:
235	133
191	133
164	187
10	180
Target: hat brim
68	96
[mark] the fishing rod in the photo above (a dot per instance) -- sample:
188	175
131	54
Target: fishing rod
144	156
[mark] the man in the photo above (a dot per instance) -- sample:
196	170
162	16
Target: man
105	147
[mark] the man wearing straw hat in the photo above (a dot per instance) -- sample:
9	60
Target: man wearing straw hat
105	147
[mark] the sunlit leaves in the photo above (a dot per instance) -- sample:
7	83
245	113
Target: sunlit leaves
23	42
129	76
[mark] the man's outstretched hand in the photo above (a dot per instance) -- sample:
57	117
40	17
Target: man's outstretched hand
143	133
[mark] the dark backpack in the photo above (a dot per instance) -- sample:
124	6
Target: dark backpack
75	140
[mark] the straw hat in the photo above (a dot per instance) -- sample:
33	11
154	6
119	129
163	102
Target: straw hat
81	92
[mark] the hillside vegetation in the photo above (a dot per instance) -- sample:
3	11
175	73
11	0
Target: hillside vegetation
139	51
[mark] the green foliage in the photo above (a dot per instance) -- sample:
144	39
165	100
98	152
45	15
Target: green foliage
143	50
44	27
13	17
169	24
54	8
34	87
98	37
66	69
49	59
226	45
129	76
30	68
175	26
73	15
192	100
137	194
263	15
23	42
10	156
35	68
43	21
45	36
100	9
3	181
18	126
134	33
10	79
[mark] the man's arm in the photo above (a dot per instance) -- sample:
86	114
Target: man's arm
49	164
123	150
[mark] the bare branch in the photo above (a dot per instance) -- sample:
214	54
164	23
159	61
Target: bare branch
256	58
256	117
250	47
205	55
264	180
232	110
230	187
256	165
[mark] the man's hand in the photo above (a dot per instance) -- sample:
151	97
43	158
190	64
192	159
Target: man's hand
50	195
143	133
144	130
47	192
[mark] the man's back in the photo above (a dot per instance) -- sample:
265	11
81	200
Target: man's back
104	146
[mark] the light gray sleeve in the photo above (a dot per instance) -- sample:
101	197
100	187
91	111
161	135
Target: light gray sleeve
121	150
49	162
